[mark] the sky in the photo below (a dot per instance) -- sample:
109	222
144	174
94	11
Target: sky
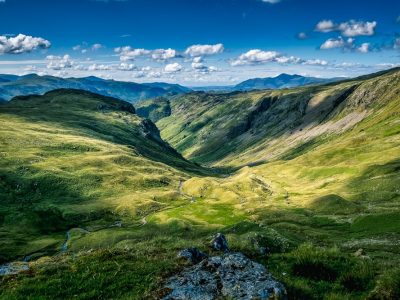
198	42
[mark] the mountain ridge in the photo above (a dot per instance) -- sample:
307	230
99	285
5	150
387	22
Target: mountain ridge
130	91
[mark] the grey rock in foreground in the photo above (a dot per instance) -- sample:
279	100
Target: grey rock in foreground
193	255
220	243
231	275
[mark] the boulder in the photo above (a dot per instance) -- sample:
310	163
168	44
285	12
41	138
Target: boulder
232	276
220	243
193	255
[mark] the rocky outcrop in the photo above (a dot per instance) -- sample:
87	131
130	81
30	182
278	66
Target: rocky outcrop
193	255
220	243
231	275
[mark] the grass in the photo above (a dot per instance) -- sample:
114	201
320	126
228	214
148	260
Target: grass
311	198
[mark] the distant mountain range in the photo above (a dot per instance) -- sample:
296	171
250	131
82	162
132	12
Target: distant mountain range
278	82
13	85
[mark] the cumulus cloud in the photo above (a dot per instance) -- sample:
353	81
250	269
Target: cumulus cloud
126	67
199	66
302	36
201	50
271	1
257	56
350	28
128	53
97	46
364	48
59	62
163	54
354	28
325	26
316	62
338	43
21	44
172	68
100	67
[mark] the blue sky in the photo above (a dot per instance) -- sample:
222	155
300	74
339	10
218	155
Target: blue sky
198	42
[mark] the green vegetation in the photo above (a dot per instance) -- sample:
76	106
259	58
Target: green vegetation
314	180
154	109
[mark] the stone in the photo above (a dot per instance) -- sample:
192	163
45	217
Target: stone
193	255
231	275
220	243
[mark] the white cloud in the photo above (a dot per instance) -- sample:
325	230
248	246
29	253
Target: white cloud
200	50
59	62
126	67
172	68
97	46
350	28
21	44
271	1
364	48
316	62
353	28
128	53
200	67
163	54
325	26
257	56
302	35
101	67
333	43
76	48
2	1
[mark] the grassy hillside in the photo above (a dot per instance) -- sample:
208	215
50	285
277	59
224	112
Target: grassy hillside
70	158
251	127
314	183
154	109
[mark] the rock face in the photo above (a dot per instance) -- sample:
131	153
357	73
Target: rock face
220	243
193	255
231	275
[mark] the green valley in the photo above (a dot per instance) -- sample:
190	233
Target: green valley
101	199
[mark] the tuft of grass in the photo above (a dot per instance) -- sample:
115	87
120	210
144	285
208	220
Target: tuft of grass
387	287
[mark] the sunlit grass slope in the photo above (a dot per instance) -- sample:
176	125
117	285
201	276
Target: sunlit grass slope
249	127
72	158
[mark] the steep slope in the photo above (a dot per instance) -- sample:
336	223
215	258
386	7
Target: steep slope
129	91
262	125
154	109
71	158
